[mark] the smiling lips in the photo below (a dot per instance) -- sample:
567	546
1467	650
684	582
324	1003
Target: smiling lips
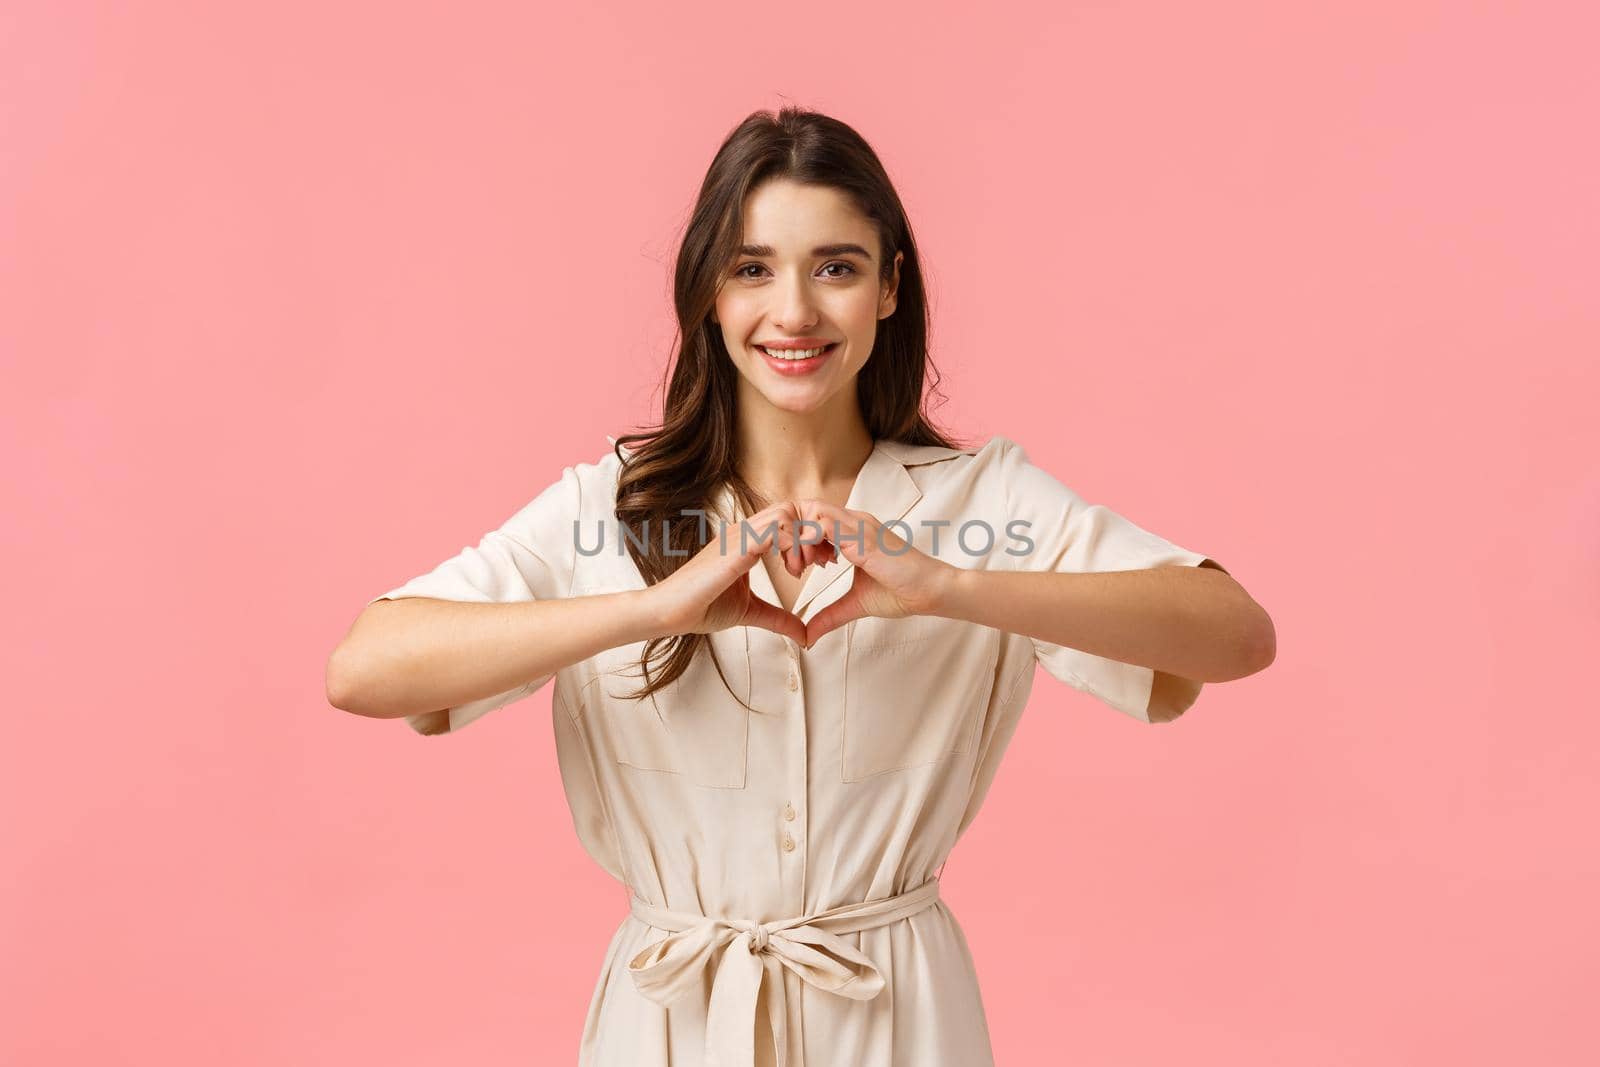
787	359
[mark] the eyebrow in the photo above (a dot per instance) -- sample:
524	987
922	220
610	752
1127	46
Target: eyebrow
767	251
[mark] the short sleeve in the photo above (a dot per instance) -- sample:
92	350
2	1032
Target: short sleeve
1070	534
529	557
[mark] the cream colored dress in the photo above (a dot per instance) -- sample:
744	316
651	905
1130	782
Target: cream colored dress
782	866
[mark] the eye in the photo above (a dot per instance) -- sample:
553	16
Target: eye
739	272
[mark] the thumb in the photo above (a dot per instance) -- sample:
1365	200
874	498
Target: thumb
766	616
846	609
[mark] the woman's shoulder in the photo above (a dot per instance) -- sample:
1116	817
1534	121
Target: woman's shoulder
604	465
597	476
993	447
941	463
579	485
917	455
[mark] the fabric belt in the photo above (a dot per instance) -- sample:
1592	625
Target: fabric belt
808	945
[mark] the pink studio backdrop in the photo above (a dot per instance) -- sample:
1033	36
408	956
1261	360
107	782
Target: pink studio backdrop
298	299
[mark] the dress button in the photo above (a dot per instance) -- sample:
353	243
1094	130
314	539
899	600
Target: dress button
788	843
793	682
788	812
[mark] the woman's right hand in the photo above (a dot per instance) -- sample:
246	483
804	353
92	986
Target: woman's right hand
712	591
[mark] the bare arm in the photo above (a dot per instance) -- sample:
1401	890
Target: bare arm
417	655
1193	622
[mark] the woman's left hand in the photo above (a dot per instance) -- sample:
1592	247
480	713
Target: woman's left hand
892	579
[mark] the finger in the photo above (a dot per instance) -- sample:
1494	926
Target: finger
826	553
794	557
803	543
754	538
850	532
770	617
784	545
765	531
813	533
814	538
781	518
846	609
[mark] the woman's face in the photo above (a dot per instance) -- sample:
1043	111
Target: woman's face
807	272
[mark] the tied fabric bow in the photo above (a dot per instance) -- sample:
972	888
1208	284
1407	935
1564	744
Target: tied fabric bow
752	952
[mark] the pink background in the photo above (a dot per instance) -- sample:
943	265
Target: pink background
298	299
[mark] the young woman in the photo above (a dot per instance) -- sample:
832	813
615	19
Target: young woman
792	630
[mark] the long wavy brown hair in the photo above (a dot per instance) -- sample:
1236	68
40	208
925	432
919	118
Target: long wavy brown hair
682	463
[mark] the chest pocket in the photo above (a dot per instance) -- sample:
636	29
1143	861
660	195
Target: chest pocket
693	727
915	692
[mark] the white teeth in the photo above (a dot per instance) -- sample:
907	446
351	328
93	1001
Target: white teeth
793	353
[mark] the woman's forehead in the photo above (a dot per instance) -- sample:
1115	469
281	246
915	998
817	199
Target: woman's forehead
793	219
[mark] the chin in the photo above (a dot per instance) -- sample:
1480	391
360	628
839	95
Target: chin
797	405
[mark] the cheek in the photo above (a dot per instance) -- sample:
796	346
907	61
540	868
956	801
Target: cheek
735	317
860	317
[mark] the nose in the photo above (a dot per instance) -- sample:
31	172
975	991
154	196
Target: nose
794	309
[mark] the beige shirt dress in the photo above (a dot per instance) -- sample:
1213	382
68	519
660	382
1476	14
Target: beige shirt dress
782	866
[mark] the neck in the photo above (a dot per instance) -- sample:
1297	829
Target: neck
788	456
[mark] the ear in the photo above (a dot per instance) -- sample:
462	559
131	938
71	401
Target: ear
891	289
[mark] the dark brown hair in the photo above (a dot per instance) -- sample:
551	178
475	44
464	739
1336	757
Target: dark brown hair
681	463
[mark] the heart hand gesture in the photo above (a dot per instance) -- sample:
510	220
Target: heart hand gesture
712	590
892	579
